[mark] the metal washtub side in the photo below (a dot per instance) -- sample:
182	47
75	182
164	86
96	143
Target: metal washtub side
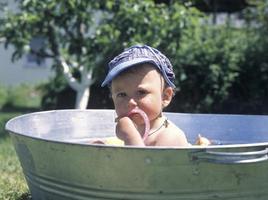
59	164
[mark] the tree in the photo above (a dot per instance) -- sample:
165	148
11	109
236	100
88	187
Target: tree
65	28
78	35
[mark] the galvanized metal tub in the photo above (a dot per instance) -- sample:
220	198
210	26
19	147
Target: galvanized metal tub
59	165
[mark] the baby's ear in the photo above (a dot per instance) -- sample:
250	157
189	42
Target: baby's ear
167	96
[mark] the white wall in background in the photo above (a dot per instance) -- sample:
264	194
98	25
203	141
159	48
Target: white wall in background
22	71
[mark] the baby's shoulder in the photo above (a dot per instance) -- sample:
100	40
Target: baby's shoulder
173	129
172	135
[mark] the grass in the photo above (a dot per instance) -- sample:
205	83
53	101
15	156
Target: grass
14	101
12	182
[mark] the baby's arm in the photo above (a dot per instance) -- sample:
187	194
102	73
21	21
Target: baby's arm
126	131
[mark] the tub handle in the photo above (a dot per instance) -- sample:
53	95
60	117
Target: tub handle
220	157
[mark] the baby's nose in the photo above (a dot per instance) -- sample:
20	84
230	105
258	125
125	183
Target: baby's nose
132	103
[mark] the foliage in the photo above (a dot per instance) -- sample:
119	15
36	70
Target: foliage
136	22
209	60
250	91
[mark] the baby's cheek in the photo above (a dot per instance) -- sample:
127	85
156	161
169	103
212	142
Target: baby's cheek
152	109
120	111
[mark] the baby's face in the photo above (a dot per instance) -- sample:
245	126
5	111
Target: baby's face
141	88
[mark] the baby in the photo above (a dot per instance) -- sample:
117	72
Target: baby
141	80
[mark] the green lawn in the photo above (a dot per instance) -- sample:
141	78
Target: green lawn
12	183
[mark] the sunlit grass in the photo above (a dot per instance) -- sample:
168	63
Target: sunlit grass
12	182
15	100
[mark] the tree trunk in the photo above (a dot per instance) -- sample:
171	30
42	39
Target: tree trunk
82	96
81	87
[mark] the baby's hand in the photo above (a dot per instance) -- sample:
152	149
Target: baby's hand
202	141
126	131
96	141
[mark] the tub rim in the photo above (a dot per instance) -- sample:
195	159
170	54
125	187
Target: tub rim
191	147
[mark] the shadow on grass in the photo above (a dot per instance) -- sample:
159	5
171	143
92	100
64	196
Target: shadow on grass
4	117
25	196
21	109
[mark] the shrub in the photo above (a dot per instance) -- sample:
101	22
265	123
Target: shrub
21	97
56	94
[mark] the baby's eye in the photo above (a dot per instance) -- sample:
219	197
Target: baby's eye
142	92
121	94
